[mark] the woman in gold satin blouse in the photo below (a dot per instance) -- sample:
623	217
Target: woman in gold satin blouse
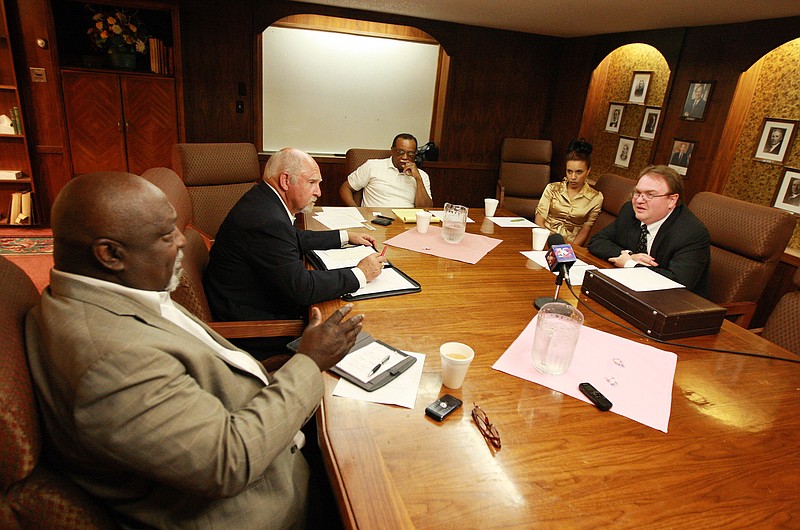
570	207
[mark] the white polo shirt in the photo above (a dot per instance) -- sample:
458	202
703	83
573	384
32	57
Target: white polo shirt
384	185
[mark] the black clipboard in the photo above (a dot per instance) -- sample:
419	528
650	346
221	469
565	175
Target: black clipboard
413	287
382	378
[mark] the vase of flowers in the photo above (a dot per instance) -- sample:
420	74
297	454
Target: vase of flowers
121	34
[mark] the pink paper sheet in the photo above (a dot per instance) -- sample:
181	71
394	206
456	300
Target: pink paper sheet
471	249
635	377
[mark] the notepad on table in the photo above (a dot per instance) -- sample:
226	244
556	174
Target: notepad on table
370	363
391	281
409	215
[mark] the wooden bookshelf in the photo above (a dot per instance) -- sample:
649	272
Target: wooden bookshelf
14	153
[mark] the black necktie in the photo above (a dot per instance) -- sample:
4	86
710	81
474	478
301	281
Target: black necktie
642	247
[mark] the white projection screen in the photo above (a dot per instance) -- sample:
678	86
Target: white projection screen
326	92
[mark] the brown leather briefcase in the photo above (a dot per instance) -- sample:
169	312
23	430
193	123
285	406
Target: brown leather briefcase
666	314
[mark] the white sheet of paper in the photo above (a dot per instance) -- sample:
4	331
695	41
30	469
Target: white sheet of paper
340	217
513	222
344	258
402	391
388	280
576	272
348	211
641	279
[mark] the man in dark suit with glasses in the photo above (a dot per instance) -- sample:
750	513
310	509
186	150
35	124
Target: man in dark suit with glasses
656	229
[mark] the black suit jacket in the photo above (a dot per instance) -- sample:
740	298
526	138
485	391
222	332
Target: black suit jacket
255	269
681	247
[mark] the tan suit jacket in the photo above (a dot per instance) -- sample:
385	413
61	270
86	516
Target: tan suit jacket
148	419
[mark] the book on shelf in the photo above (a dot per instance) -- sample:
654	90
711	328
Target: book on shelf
16	120
21	212
160	56
10	174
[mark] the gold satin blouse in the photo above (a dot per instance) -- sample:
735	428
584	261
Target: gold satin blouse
566	216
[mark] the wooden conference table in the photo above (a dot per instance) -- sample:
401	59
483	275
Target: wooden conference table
731	457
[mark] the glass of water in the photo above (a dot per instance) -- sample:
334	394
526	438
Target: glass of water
557	328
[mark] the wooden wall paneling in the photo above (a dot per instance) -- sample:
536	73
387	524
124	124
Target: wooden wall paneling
495	93
726	150
565	112
150	109
594	99
215	64
94	121
720	54
466	184
46	128
332	170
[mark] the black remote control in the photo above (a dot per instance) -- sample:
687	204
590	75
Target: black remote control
594	395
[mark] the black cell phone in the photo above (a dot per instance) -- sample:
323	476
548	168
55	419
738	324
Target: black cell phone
442	407
382	221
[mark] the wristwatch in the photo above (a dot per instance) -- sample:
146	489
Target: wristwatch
628	252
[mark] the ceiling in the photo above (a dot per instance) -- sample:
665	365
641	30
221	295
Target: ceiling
574	18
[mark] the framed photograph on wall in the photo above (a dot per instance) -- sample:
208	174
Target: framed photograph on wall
776	137
682	151
639	86
650	123
624	152
694	106
614	118
787	194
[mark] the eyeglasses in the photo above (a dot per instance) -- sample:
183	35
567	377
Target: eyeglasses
648	196
400	152
488	430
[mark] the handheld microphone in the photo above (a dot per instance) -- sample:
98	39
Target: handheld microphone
560	257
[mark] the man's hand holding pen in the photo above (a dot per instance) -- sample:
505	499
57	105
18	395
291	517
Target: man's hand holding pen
372	265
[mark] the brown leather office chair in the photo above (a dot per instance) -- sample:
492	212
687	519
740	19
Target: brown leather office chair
33	495
190	292
216	175
783	325
524	173
747	241
616	192
355	158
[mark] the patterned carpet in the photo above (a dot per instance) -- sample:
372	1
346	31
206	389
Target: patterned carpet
26	245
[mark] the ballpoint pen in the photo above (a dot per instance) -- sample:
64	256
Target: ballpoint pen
517	220
384	250
378	366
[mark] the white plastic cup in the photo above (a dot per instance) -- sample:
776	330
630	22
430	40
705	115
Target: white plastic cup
558	326
456	358
490	205
540	236
423	221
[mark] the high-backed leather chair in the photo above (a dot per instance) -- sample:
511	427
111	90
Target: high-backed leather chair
783	325
190	292
216	175
355	158
33	494
747	241
524	173
616	192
